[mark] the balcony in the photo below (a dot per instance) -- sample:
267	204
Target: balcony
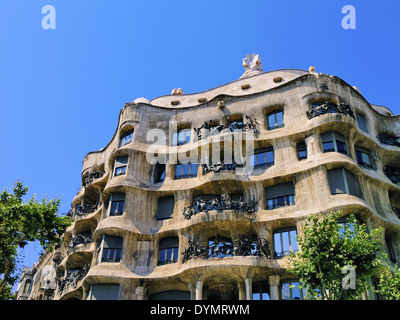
220	247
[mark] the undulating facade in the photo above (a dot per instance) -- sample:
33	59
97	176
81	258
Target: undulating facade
201	196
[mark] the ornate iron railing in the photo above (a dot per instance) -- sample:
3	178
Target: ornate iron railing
91	176
219	247
219	204
72	277
207	129
329	107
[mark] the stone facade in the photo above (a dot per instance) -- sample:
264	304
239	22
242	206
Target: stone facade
222	229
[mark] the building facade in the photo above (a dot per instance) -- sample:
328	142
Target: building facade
201	196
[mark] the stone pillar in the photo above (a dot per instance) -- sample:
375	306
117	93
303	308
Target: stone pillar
242	291
249	288
274	287
199	290
192	289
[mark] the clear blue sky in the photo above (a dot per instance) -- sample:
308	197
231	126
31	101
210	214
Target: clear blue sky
61	90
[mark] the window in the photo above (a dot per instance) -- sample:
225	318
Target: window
159	172
126	138
361	123
103	292
390	250
117	204
168	250
363	157
301	151
333	142
285	242
261	291
171	295
120	165
165	207
110	249
275	120
183	171
290	291
181	137
342	181
262	158
27	287
280	195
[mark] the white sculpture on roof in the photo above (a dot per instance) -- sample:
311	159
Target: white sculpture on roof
252	65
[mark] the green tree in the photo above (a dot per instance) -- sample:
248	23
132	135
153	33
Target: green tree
389	283
22	222
329	251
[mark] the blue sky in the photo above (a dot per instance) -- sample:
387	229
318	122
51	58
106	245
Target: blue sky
61	90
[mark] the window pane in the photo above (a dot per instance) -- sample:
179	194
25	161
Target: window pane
359	157
186	169
256	296
285	242
175	139
193	169
279	118
277	243
293	241
175	253
271	121
270	157
261	158
169	254
366	159
328	146
178	171
296	291
341	146
161	258
285	291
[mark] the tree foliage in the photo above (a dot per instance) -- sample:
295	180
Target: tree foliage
327	247
389	284
22	222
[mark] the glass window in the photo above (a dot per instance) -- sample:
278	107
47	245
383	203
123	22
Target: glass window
389	246
183	171
301	151
120	165
363	157
126	138
275	120
171	295
333	142
342	181
280	195
103	292
285	242
290	291
112	249
262	158
168	250
165	207
361	123
261	291
181	137
159	172
117	204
